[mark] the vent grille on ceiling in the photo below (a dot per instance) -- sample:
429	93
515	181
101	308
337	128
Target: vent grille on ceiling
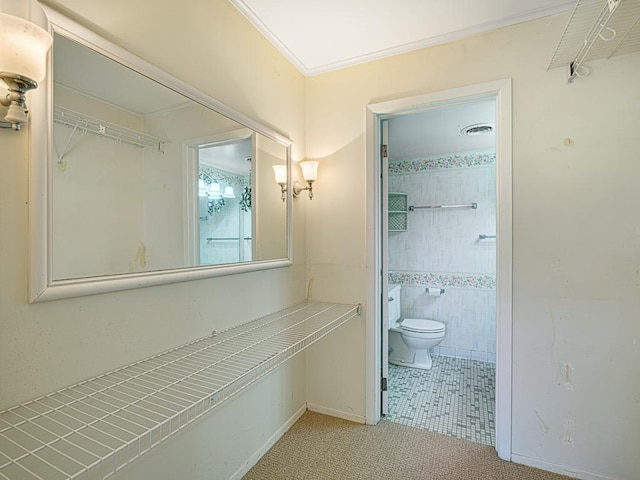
477	129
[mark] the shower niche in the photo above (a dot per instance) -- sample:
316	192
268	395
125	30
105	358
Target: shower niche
398	212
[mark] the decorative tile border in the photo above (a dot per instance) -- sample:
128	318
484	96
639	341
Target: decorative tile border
442	280
457	160
226	177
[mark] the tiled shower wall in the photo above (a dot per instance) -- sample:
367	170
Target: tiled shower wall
442	248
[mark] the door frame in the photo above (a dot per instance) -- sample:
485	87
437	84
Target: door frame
190	203
500	91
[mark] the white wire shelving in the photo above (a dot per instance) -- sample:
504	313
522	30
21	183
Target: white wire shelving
95	428
597	29
80	122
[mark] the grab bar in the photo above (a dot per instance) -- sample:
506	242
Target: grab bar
468	205
484	237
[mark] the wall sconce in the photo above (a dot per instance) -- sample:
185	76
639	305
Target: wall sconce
280	172
23	55
310	174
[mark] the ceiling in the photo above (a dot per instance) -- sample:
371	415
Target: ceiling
438	131
86	71
320	36
232	157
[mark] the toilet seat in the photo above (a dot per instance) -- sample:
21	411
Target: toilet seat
420	325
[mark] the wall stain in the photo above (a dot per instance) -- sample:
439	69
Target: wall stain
545	428
140	259
565	376
310	288
568	432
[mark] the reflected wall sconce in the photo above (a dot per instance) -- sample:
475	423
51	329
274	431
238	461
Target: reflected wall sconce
209	188
310	174
25	42
280	172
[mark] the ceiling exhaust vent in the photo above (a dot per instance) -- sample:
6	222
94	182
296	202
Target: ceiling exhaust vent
476	129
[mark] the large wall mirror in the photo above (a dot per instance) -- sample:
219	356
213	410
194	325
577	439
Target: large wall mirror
144	180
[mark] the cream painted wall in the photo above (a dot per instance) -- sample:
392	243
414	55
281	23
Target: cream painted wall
49	345
270	210
98	181
576	280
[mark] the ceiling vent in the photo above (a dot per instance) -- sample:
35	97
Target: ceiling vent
476	129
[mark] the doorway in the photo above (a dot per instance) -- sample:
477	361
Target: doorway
441	269
377	162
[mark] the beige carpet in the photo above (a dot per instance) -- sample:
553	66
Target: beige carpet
321	447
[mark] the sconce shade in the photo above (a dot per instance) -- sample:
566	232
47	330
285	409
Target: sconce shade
214	190
24	46
280	172
228	192
309	170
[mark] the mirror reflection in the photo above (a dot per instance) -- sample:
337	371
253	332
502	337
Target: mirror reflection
225	201
145	179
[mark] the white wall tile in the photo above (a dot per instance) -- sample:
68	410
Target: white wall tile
447	241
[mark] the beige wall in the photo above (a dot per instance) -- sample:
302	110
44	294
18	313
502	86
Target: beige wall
269	210
576	236
97	192
47	346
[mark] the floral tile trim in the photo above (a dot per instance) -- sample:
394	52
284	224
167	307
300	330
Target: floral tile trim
442	280
226	177
458	160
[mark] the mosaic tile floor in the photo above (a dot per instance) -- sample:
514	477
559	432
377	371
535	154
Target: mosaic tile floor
456	397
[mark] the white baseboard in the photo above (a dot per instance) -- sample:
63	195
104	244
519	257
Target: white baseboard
556	468
253	459
336	413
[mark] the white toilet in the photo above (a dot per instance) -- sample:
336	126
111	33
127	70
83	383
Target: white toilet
411	339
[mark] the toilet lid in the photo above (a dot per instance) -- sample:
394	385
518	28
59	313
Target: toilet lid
422	325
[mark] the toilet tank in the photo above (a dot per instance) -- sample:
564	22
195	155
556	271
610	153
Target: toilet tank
394	303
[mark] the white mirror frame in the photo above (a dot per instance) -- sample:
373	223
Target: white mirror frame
41	285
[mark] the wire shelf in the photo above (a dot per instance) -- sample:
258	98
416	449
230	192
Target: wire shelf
93	429
87	124
598	29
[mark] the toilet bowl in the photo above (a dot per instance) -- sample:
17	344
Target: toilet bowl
420	335
411	339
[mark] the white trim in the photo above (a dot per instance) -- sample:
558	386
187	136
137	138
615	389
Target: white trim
190	210
383	221
311	70
332	412
500	90
504	271
557	468
372	315
271	441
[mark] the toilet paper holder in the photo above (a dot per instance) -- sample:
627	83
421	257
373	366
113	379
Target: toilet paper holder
434	291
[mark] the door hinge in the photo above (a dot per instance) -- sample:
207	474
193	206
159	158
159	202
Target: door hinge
383	384
383	151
